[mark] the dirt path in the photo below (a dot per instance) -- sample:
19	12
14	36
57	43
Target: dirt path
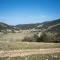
21	53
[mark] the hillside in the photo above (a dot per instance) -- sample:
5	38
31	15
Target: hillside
51	23
45	25
27	26
49	31
4	26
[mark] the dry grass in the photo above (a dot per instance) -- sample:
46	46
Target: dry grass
14	36
12	41
26	45
55	56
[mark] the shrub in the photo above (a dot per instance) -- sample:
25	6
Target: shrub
44	37
30	38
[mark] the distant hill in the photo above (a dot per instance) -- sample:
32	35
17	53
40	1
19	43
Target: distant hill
50	30
52	26
50	23
4	26
43	25
27	26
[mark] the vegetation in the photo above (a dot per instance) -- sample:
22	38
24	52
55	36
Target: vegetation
44	37
27	26
55	56
27	45
48	34
31	26
4	26
45	25
50	23
49	37
31	38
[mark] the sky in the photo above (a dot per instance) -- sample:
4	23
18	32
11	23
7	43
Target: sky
15	12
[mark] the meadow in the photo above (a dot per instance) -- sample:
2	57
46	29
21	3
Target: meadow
27	45
13	41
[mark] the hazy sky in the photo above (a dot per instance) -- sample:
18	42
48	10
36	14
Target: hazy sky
28	11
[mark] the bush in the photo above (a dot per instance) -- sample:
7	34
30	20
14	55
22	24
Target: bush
30	38
52	37
44	37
